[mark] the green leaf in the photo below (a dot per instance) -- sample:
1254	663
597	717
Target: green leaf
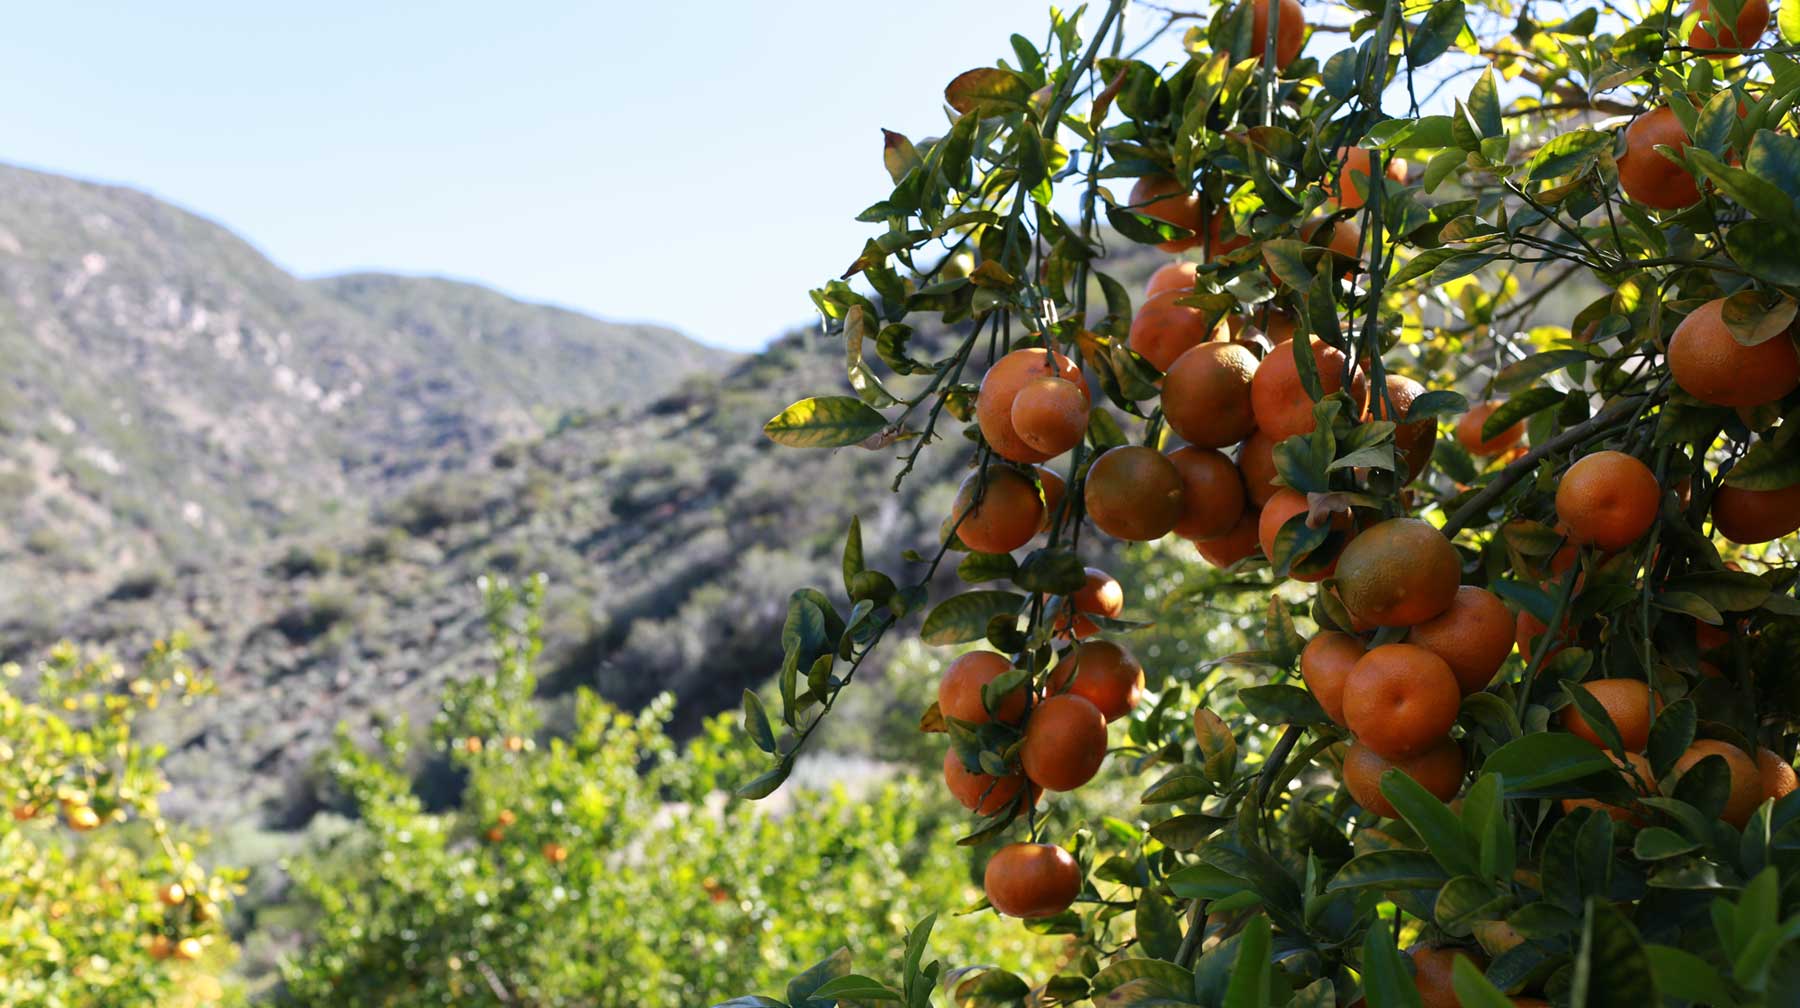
764	784
1727	591
979	567
1775	158
825	422
855	987
1484	106
1523	373
1436	33
1654	843
1520	407
987	91
1444	835
1766	250
1052	571
964	618
1437	403
1567	154
853	552
1386	981
1280	703
756	722
1389	869
1670	735
1472	989
1545	758
1612	970
1158	927
1683	975
1166	976
1249	987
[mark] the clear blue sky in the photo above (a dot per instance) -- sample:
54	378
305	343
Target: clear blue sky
691	163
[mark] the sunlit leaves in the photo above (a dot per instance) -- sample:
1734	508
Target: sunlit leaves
825	422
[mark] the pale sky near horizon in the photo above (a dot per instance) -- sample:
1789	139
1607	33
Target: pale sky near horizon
697	165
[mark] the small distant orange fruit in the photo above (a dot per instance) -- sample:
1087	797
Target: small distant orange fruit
1608	499
1400	700
1100	595
189	949
1290	31
172	894
81	818
1030	880
1353	185
1104	673
555	853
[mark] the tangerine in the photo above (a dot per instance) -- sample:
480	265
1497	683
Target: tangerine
1325	663
1135	493
1281	404
1400	700
1608	499
1212	494
1031	880
1627	701
1002	384
1473	636
1206	394
1001	515
1746	779
959	691
1439	770
1065	742
1050	414
1644	174
1468	431
1399	572
1708	362
1749	517
1104	673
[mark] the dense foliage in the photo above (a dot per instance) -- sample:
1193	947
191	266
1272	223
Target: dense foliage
1605	817
102	902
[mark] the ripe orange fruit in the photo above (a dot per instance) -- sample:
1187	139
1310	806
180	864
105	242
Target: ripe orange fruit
959	692
1627	702
555	853
1353	185
1399	572
1099	595
1438	770
1278	327
1065	742
172	894
1342	237
1432	967
1279	400
1032	880
1256	460
1002	384
1749	517
1644	784
1468	431
1235	545
1050	414
1175	276
472	744
1712	366
1105	674
1776	774
1400	700
1647	176
506	817
1473	636
1134	492
161	946
978	792
81	818
1746	780
1325	663
1006	515
515	744
1290	31
495	834
1163	330
1417	440
1283	505
189	949
1608	499
24	812
1752	21
1162	198
1206	394
1212	492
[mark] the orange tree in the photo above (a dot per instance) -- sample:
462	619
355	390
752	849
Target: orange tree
102	902
1522	701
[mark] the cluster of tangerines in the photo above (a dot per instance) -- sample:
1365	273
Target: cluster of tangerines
553	852
77	814
168	942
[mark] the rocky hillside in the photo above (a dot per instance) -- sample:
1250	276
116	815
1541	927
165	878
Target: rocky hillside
173	400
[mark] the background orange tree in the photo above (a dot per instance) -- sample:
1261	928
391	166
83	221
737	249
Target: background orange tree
1369	239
